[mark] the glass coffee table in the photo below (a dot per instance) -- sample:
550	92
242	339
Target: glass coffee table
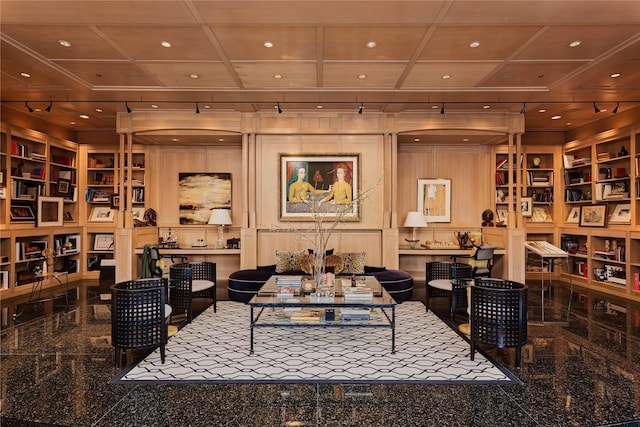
313	310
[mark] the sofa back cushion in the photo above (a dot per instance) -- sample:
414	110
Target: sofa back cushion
353	262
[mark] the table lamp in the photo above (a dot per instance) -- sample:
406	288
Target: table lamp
415	220
220	217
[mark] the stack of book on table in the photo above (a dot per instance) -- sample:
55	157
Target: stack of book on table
355	313
289	281
357	294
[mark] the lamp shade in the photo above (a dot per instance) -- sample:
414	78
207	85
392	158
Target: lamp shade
415	219
220	217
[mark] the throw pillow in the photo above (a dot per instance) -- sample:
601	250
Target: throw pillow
334	263
353	262
288	261
306	264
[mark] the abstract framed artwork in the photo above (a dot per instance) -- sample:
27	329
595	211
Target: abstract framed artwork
201	192
325	185
434	199
50	211
593	215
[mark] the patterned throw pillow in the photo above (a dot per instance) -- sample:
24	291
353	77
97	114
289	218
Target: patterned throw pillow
353	262
288	261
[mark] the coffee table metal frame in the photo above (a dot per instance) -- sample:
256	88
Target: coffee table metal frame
267	299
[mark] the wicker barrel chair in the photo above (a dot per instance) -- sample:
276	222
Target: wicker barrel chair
139	316
447	279
192	280
498	315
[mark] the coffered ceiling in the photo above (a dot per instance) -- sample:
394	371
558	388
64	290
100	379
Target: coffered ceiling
388	56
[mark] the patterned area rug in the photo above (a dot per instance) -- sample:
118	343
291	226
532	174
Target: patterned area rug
214	348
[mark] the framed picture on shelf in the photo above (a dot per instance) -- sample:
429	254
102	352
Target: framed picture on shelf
138	213
434	199
599	274
67	216
319	185
50	211
103	242
526	206
63	187
115	201
574	215
102	214
621	214
22	213
502	215
593	215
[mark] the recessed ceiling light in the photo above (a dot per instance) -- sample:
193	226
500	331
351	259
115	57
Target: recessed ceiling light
277	76
603	110
194	76
615	75
98	110
446	77
575	43
465	139
207	106
568	123
64	43
319	107
362	76
154	105
416	139
84	116
220	139
27	75
72	123
474	44
175	139
371	44
37	110
486	107
268	45
433	107
165	44
556	117
542	110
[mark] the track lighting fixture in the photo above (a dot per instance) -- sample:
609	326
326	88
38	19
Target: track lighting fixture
279	109
615	110
595	108
27	106
442	109
48	109
197	108
361	108
524	108
126	104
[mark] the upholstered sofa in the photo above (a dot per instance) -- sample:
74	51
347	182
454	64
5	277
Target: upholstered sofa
244	284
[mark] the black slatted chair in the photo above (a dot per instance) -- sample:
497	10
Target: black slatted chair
498	315
483	261
139	316
447	279
192	280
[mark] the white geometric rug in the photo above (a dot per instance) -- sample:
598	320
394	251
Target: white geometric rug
214	348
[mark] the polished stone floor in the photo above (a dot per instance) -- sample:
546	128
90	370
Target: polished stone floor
580	368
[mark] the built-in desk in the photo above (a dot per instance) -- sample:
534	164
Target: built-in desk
413	261
227	260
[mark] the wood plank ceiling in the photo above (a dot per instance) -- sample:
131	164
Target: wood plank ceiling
389	56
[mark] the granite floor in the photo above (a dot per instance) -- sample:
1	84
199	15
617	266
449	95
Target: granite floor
580	368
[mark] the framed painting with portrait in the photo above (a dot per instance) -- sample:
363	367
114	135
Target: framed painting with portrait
325	185
434	199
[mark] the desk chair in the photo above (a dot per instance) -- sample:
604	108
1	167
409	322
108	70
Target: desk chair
447	279
482	261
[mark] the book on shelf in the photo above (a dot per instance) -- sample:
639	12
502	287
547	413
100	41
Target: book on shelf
502	164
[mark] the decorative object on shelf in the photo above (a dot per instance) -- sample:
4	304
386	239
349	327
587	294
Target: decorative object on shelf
102	214
150	217
337	183
526	206
621	214
623	152
464	239
50	211
536	162
415	220
220	217
593	215
63	187
200	192
434	199
487	218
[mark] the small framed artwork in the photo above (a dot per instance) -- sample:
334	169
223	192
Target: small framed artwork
22	213
115	201
502	215
103	242
50	211
138	213
621	214
434	199
574	215
593	215
2	174
67	216
102	214
599	274
526	206
63	187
